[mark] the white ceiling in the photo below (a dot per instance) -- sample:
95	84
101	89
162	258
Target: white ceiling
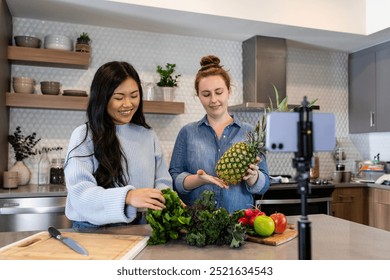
127	15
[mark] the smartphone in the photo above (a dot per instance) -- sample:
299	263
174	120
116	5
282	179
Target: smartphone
282	132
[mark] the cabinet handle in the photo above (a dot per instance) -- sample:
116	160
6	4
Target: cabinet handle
372	119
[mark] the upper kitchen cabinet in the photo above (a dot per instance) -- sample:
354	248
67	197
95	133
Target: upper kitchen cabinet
369	90
361	92
382	89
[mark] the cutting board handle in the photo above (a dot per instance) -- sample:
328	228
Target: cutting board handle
30	242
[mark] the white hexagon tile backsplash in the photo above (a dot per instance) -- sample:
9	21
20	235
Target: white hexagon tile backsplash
315	73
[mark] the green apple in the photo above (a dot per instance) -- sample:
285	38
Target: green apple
264	225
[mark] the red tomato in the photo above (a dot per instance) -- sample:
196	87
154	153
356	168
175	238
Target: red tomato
252	220
258	212
280	222
243	220
248	212
253	212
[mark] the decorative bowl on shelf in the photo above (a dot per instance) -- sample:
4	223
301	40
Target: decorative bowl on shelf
23	87
23	84
58	42
50	87
26	80
27	41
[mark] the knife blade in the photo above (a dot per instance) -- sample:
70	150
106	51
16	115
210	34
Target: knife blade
71	243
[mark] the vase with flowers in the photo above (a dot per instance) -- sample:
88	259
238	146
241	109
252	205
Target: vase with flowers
23	148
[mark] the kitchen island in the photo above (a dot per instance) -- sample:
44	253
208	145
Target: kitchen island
332	239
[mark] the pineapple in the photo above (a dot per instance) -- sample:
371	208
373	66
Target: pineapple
231	167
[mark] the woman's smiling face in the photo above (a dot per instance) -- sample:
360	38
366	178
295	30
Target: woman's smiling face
124	102
214	95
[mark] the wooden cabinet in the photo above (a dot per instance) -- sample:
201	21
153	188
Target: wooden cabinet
361	103
369	90
382	99
59	58
379	208
351	203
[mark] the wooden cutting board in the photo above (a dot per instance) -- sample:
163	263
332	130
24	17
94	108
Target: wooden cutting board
41	246
276	238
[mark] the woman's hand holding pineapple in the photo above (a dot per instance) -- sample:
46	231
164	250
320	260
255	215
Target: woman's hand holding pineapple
252	174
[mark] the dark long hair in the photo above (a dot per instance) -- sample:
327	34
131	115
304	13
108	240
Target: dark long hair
107	149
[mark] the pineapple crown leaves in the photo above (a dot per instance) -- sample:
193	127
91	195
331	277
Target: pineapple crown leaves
281	106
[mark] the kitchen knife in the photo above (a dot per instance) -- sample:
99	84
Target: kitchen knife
67	241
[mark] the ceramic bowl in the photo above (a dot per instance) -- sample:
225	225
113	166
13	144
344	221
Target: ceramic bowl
50	87
20	87
26	80
27	41
58	42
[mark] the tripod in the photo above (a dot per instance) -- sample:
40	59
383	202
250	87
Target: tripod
302	163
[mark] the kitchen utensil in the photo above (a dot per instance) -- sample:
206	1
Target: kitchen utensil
70	92
337	176
22	87
370	176
26	80
71	243
58	42
101	246
339	154
347	176
50	87
27	41
340	167
275	239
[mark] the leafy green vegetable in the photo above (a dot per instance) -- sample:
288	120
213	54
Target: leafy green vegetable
213	226
167	223
204	223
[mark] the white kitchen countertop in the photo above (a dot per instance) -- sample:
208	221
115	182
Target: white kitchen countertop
332	239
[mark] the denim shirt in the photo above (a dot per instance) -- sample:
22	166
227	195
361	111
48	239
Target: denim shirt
198	147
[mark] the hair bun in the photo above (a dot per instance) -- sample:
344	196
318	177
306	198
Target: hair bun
210	61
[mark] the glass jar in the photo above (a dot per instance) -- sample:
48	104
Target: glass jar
44	169
57	175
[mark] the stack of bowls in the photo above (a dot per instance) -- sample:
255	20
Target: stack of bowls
27	41
23	84
50	87
58	42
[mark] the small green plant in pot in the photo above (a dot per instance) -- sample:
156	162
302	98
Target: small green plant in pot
168	80
82	44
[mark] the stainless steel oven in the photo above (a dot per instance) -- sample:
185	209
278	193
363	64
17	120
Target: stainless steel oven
32	213
285	198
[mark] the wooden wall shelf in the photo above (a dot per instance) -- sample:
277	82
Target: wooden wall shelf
48	57
39	101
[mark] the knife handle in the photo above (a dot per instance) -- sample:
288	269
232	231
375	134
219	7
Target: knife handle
54	232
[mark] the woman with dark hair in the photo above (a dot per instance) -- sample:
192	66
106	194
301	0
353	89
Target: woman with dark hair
200	144
115	168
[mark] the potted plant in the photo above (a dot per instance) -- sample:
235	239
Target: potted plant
168	81
23	148
82	43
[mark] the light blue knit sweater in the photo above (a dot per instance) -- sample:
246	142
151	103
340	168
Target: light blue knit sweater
147	168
